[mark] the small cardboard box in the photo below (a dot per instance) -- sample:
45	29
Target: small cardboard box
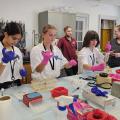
100	100
33	97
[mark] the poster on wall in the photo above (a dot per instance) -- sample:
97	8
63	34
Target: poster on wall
22	43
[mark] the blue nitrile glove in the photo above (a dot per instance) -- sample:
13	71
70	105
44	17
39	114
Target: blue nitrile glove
98	92
23	72
7	55
72	108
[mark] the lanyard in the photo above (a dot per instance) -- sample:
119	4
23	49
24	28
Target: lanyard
92	59
12	67
52	65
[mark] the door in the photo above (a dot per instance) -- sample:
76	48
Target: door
107	30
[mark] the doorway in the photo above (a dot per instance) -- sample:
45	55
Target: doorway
106	31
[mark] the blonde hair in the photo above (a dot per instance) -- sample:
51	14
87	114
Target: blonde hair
45	30
47	27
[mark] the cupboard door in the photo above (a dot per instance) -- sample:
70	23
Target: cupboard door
56	19
60	20
69	19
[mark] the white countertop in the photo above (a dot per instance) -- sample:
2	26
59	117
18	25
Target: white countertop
47	110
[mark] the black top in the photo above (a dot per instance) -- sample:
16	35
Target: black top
113	61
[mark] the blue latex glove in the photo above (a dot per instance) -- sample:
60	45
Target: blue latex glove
98	92
7	55
72	108
23	72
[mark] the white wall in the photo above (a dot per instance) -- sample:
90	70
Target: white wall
27	12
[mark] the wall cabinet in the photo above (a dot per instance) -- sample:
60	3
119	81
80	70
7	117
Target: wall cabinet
58	19
78	22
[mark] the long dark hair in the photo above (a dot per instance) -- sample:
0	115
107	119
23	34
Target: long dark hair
11	28
90	35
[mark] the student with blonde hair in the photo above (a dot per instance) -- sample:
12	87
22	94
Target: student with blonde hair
47	59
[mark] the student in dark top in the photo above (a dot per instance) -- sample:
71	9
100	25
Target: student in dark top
68	46
114	57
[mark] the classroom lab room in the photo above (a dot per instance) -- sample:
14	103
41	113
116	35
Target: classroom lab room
60	60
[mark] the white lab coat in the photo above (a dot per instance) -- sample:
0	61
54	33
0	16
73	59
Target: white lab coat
36	57
86	56
6	74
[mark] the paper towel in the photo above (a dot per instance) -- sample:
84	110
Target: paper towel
5	108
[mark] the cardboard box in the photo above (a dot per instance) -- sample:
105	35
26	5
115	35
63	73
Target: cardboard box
100	100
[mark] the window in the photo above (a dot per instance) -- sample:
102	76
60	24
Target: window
81	28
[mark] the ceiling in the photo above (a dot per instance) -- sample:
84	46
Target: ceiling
109	2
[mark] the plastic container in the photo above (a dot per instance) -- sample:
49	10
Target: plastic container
118	71
58	91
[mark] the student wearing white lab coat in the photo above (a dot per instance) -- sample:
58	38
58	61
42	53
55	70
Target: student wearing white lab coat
89	57
11	61
47	59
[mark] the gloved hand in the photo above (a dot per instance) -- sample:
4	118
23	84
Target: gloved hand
23	72
7	55
108	47
98	92
99	67
46	56
72	63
